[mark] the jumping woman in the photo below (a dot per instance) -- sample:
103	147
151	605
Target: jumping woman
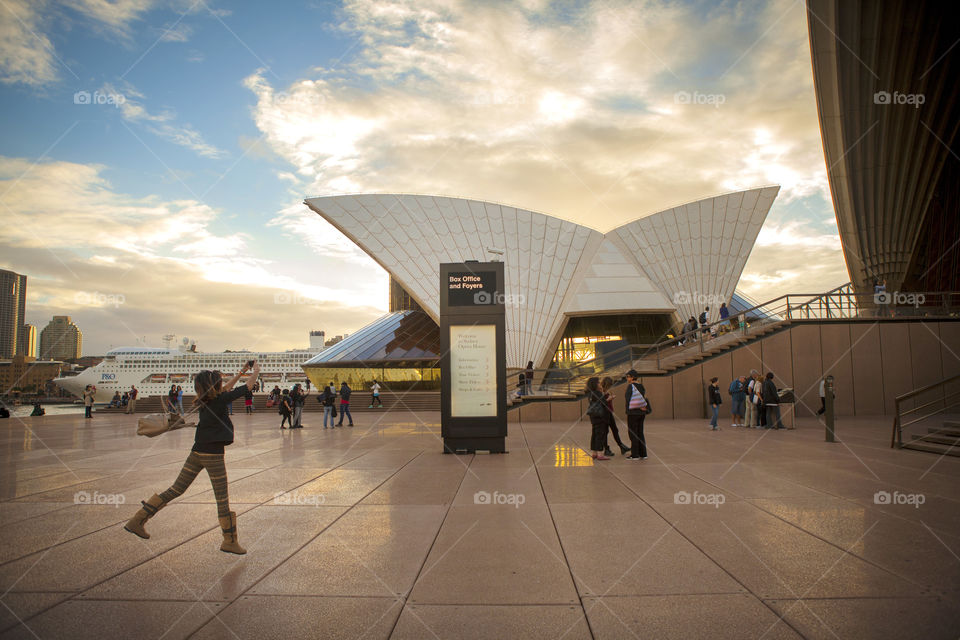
214	432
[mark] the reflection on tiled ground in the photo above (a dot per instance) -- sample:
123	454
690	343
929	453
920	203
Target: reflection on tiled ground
371	532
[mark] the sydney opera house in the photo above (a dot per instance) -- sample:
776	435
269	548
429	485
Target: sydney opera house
570	287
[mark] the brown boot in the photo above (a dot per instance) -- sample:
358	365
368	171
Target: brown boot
229	527
135	525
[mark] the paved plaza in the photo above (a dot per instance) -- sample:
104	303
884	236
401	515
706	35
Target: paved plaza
371	532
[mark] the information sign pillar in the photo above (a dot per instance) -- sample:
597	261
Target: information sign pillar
473	399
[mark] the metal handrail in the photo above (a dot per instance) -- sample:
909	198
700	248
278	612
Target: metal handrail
896	437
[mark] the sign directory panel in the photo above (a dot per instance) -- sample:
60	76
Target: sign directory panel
473	370
473	398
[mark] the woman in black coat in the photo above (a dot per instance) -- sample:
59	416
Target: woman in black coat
599	416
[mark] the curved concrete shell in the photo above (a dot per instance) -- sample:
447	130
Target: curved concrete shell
885	75
554	268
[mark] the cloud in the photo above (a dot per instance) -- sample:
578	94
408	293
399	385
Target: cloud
114	15
71	233
600	115
26	53
160	124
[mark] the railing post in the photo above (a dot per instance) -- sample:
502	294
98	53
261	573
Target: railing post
828	408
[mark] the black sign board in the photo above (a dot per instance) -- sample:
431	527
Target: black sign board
473	399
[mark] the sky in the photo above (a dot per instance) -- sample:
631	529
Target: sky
154	156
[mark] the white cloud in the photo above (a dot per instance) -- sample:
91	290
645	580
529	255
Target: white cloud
160	124
575	116
69	231
26	53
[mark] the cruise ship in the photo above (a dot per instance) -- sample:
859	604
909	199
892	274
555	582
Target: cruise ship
153	370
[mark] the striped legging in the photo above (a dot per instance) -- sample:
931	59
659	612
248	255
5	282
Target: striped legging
213	463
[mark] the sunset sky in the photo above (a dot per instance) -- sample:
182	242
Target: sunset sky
154	155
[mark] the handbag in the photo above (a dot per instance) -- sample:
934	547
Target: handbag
333	411
597	409
153	424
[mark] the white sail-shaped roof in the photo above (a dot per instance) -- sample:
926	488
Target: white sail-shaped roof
553	268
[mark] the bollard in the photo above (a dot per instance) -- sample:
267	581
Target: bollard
828	408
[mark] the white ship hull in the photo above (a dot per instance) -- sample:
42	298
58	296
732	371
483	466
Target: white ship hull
152	371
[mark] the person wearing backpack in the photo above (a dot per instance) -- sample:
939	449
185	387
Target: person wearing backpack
638	406
751	388
345	392
715	400
286	408
738	400
329	411
704	321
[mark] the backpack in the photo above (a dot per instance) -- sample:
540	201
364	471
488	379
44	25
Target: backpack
733	388
703	318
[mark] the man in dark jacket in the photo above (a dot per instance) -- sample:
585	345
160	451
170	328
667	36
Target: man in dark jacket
345	392
715	400
771	401
637	408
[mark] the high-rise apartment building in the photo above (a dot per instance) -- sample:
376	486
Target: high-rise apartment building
13	303
61	340
27	341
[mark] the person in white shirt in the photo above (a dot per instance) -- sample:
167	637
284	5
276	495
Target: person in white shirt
375	398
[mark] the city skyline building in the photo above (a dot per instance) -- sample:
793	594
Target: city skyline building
27	341
13	303
61	340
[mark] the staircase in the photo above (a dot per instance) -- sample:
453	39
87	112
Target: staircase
943	440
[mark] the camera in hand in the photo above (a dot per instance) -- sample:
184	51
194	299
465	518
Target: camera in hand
250	363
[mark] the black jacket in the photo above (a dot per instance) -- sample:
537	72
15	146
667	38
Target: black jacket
345	394
213	423
715	397
770	395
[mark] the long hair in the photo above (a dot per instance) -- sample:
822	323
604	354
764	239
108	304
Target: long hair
606	383
207	385
592	384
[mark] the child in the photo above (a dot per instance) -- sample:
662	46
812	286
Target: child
214	432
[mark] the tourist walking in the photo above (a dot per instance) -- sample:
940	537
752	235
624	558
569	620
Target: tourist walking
329	411
89	393
738	397
132	399
771	402
214	432
704	320
605	386
345	392
172	399
286	408
597	411
528	379
637	407
375	395
724	315
715	400
248	402
179	399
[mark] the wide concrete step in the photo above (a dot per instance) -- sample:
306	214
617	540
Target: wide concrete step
936	439
953	433
933	448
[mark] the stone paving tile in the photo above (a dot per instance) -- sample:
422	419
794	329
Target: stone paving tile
373	531
685	617
293	618
546	622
